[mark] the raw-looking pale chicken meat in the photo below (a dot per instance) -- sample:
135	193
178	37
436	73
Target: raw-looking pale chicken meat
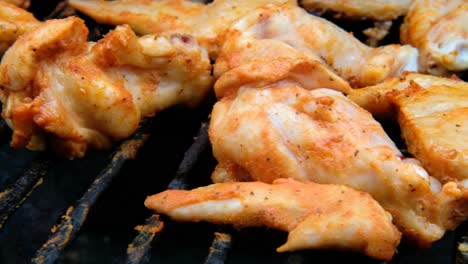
285	131
251	37
439	29
432	113
380	10
20	3
207	23
57	86
375	98
317	216
14	22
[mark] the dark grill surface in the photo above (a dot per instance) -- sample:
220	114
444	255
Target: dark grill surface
86	210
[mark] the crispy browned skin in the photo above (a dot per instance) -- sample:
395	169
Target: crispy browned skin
267	32
439	29
434	123
14	22
20	3
57	86
375	98
207	23
315	215
284	131
379	10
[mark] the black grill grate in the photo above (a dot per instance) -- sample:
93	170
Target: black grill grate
104	217
74	218
140	246
14	196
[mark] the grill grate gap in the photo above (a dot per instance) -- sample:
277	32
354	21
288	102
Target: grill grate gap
141	244
74	218
4	131
13	197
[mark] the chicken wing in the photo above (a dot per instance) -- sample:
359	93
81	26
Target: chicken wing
379	10
434	124
375	98
207	23
14	22
253	35
20	3
439	29
315	215
55	85
266	133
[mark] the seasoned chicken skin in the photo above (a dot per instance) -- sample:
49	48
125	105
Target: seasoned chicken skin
284	131
434	124
207	23
380	10
14	22
439	29
375	98
20	3
57	86
258	34
315	215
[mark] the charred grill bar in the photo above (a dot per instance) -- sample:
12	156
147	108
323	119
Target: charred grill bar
75	216
138	250
219	249
14	196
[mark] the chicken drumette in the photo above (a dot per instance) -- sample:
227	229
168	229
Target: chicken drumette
14	22
315	215
206	23
284	131
432	113
56	85
439	29
380	10
265	33
282	21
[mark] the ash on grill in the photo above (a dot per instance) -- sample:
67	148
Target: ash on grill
43	218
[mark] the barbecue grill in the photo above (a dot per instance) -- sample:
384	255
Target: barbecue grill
91	210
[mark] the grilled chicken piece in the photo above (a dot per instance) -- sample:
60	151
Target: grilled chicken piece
57	86
432	113
207	23
434	124
379	10
375	98
315	215
439	29
14	22
251	37
284	131
20	3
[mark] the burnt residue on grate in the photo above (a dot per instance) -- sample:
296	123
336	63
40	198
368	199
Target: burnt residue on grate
109	225
219	249
74	218
12	197
137	251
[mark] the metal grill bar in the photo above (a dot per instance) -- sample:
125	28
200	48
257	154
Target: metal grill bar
75	216
138	249
219	249
13	197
